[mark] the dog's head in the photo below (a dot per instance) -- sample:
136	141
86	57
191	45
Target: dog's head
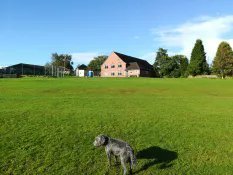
101	140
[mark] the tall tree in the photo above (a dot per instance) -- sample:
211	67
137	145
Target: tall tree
161	60
63	60
96	63
223	61
198	64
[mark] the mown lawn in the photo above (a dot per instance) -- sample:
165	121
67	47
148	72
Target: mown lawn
176	126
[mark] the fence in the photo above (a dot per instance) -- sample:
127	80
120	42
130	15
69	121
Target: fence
9	76
33	70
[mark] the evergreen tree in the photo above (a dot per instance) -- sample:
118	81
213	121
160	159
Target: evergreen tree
223	61
198	64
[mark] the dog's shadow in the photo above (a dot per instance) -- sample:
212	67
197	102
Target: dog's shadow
156	155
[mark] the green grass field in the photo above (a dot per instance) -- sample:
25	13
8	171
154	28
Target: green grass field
176	126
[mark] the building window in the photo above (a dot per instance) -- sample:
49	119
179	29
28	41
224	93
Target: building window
106	66
119	73
112	74
119	65
112	66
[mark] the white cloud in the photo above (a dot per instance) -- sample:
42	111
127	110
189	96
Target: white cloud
83	57
181	39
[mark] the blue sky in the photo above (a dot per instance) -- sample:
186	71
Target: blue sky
31	30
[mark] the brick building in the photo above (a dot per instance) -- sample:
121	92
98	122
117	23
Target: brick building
120	65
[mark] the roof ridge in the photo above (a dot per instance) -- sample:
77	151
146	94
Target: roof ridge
129	56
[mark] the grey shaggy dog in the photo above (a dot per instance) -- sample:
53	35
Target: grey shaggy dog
118	148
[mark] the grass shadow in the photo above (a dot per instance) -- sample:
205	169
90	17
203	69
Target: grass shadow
156	155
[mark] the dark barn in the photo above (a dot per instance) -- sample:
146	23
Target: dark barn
24	69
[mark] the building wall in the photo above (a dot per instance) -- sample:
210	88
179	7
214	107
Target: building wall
144	73
134	73
80	73
113	67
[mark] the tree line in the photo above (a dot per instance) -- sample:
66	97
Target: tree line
179	66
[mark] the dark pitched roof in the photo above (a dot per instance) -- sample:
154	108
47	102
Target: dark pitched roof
134	63
83	67
26	65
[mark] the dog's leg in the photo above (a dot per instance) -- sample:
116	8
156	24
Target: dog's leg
123	163
108	155
131	167
109	158
109	164
116	160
